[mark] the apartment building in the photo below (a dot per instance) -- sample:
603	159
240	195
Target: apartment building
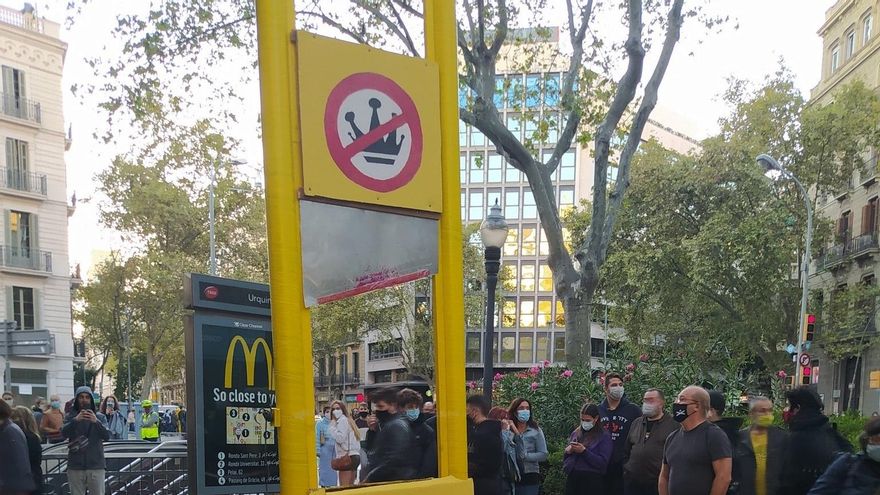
851	52
34	269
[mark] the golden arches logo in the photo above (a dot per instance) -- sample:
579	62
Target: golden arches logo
250	358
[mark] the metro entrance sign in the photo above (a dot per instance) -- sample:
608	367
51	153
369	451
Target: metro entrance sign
369	131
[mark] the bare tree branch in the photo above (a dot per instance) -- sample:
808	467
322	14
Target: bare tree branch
481	27
398	30
470	59
500	29
470	20
673	32
402	24
336	25
408	8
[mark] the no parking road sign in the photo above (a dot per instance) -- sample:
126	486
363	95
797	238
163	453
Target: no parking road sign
369	126
373	132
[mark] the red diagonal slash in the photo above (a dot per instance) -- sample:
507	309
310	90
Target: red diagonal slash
361	143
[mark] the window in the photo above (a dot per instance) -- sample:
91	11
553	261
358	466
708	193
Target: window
566	199
526	348
545	278
477	137
23	308
462	169
545	313
511	244
867	28
14	92
533	90
508	313
379	350
462	134
508	347
543	245
597	347
553	129
475	208
463	206
529	210
566	238
526	313
514	91
498	96
559	347
356	364
511	174
493	197
510	277
511	204
514	125
531	123
542	347
529	241
612	173
835	58
850	44
869	217
462	95
527	277
560	314
473	347
333	371
551	90
20	233
494	167
567	166
28	384
476	168
844	227
17	164
383	377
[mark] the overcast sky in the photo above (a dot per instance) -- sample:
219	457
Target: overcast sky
769	30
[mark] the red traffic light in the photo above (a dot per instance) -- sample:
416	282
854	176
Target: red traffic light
811	319
211	292
806	371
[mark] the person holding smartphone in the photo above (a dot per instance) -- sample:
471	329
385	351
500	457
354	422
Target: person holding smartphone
87	431
586	457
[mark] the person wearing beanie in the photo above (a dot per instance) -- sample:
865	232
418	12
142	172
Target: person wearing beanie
814	443
857	474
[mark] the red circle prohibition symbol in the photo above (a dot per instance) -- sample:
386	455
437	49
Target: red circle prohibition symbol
343	155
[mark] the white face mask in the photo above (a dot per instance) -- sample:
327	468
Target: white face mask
337	413
649	410
615	393
873	451
587	425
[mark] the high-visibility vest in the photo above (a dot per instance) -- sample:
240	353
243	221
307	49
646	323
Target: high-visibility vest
149	432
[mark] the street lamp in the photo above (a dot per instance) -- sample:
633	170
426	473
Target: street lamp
770	164
493	233
213	260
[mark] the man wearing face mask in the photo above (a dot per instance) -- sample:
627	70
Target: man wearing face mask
7	397
761	451
390	441
485	451
53	420
425	438
644	447
617	415
360	418
730	426
857	474
697	458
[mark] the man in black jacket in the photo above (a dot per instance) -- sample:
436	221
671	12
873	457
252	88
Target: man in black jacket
730	426
410	402
87	430
390	442
485	452
763	446
618	415
813	442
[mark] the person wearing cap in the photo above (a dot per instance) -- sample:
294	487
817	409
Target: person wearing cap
149	422
813	442
730	426
857	474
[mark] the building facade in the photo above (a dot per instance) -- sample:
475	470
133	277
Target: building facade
34	269
851	53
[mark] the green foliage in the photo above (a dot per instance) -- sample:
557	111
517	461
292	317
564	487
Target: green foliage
848	321
850	424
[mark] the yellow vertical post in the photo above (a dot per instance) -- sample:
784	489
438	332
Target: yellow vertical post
291	327
441	47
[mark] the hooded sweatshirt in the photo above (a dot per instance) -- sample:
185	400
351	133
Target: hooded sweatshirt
86	438
813	445
618	423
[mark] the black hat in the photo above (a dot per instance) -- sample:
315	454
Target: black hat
804	397
717	401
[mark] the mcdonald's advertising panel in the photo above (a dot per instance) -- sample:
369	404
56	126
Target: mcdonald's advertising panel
230	358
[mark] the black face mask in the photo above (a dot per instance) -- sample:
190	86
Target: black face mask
383	416
363	414
680	412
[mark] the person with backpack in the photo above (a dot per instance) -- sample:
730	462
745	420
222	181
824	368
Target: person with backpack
855	474
813	442
525	426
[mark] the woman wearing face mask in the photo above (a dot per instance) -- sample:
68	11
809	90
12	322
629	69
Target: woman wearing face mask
347	439
53	420
115	419
855	474
587	454
525	425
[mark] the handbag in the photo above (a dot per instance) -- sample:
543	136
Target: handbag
347	462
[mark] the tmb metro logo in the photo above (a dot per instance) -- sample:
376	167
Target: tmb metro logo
250	357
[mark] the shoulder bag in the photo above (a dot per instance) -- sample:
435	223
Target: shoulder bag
347	462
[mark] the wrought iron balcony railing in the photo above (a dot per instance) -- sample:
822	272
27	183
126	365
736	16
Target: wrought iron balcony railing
28	259
22	180
21	108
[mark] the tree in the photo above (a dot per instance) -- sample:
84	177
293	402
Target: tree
160	51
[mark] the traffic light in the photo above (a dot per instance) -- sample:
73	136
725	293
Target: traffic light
811	328
806	371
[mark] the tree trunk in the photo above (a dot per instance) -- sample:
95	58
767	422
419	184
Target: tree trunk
577	327
147	384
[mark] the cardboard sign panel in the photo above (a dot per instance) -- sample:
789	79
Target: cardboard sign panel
348	251
369	124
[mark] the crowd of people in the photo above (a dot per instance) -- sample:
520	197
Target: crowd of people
616	448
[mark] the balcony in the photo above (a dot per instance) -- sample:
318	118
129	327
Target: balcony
322	381
16	257
20	180
21	108
835	255
863	245
24	19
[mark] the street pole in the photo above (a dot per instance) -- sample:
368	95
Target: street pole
493	263
769	163
213	262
